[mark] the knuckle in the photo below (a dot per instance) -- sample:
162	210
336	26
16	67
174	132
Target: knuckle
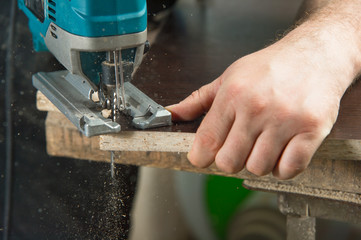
198	163
263	159
312	121
227	165
258	104
235	91
255	102
197	97
209	140
196	94
203	97
257	169
292	167
285	113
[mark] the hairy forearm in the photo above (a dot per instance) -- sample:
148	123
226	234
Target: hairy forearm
331	35
308	7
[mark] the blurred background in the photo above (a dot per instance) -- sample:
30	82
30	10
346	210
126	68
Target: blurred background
62	198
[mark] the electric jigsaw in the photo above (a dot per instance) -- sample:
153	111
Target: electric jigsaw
100	43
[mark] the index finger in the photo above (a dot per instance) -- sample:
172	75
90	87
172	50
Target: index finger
195	104
212	133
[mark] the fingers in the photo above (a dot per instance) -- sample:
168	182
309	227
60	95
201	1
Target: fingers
196	104
211	134
235	150
297	155
270	151
266	151
233	144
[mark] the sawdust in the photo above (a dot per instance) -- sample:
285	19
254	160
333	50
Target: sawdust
113	222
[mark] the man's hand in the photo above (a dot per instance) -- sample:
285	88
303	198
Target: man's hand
271	110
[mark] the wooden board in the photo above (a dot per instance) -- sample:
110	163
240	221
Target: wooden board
325	172
197	43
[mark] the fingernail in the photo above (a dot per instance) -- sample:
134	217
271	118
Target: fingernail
192	151
175	116
169	108
190	154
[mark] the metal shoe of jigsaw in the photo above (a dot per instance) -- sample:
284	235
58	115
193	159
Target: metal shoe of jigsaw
100	43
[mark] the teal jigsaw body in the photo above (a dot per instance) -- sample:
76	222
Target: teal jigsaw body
100	43
87	18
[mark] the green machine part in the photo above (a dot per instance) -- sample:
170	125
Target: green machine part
220	208
224	195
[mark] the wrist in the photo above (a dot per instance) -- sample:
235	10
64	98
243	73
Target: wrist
327	48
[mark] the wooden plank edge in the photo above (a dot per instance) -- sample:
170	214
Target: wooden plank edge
332	149
303	190
147	141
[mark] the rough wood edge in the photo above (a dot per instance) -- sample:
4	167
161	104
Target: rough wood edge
177	142
303	190
336	149
63	139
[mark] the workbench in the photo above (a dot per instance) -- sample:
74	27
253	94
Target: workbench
195	46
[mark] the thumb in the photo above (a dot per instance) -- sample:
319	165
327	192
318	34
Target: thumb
195	104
